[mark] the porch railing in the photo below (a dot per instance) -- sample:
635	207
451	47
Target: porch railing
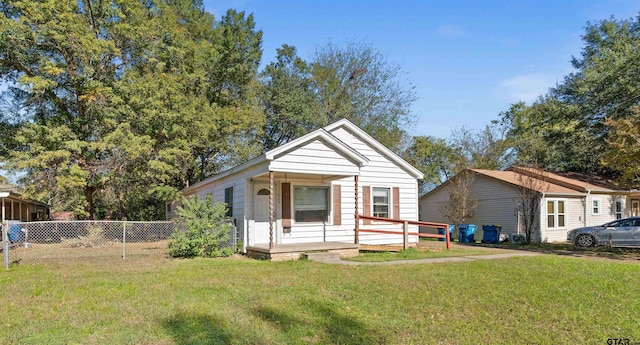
405	229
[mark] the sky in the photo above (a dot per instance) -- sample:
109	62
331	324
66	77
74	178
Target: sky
468	60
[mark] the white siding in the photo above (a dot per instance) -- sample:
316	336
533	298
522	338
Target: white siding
319	161
379	172
314	158
239	183
607	209
574	215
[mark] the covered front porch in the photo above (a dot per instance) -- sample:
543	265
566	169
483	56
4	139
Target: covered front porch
294	251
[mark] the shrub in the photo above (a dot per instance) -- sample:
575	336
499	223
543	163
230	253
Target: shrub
201	230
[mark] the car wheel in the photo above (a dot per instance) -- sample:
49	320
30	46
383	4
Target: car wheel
585	240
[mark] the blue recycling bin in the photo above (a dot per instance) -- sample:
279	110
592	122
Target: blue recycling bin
441	232
14	232
491	233
467	233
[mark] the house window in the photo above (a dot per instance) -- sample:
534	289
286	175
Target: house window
555	214
311	204
595	207
380	202
618	209
228	199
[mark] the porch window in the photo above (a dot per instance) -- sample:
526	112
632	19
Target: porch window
311	204
381	202
595	207
618	209
228	199
555	214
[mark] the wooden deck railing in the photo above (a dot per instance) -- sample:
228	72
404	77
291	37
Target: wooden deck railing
405	229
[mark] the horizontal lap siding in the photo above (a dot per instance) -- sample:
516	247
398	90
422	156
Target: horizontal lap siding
497	205
607	209
574	215
239	183
315	158
383	173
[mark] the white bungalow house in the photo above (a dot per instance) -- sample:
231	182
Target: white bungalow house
568	201
309	190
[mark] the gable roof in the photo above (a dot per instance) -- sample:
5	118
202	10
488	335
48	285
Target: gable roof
570	184
369	140
521	180
326	136
576	181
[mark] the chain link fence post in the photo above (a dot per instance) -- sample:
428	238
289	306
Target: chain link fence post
124	236
5	241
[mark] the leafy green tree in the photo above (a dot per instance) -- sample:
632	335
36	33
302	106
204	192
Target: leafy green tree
119	104
435	158
569	128
356	82
202	230
481	149
288	98
623	153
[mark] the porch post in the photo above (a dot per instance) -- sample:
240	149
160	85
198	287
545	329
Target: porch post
357	228
270	209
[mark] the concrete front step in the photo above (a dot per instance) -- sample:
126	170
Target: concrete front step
321	256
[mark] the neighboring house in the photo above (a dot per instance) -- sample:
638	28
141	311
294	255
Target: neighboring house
568	201
15	207
306	190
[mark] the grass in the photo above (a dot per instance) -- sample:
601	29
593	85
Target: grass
414	254
527	300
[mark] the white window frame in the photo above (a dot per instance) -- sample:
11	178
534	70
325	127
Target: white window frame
389	200
328	218
618	214
596	205
556	215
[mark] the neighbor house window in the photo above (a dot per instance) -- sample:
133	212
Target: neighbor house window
228	199
555	213
381	202
595	207
618	209
311	204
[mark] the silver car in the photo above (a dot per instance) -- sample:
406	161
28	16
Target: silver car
618	233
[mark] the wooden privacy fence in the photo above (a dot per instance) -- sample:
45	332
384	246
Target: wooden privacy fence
405	227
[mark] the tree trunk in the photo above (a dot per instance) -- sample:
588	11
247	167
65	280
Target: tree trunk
88	196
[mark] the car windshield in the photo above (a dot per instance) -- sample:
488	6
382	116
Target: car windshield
622	223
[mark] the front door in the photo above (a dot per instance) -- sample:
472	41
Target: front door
261	213
635	208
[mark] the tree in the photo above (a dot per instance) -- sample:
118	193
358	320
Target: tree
288	99
483	149
118	104
462	203
570	122
434	158
202	230
623	149
353	81
357	83
529	197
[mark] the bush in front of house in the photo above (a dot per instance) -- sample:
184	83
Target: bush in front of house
201	230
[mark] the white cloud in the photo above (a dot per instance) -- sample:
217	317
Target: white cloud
527	87
451	31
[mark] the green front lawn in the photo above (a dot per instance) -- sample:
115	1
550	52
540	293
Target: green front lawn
526	300
414	254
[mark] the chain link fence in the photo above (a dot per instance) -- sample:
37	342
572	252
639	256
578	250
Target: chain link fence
87	241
